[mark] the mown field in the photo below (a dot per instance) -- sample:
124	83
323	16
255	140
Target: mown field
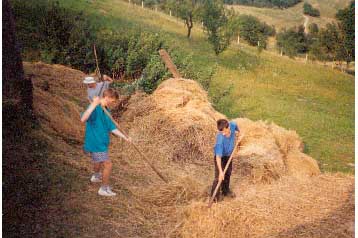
314	100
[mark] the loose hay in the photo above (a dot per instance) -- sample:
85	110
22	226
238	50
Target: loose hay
177	192
288	208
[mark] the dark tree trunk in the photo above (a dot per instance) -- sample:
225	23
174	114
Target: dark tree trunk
16	89
189	24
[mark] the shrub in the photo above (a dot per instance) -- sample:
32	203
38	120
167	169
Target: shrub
309	10
65	36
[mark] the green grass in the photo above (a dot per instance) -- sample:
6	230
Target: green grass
315	101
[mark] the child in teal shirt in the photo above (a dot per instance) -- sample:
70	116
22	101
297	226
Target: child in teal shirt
97	138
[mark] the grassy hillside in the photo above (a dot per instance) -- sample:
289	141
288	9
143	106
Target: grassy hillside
315	101
293	16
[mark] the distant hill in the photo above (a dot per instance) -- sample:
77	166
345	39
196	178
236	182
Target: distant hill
293	16
264	3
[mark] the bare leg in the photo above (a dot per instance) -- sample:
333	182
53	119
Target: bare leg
97	167
106	172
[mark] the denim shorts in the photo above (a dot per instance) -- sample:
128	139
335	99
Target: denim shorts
98	157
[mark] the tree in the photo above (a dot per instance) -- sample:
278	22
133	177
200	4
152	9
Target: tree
15	86
252	30
186	10
215	20
330	41
324	45
309	10
313	29
346	28
292	41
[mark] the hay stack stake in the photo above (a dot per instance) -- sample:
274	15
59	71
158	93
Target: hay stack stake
169	63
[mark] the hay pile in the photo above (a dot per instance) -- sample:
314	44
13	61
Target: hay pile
178	123
59	98
269	152
322	206
175	122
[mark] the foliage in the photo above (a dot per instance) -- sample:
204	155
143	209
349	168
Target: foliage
346	25
313	29
65	36
215	20
309	10
187	10
58	35
292	41
252	30
264	3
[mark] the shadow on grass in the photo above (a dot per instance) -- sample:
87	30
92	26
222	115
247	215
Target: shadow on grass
35	188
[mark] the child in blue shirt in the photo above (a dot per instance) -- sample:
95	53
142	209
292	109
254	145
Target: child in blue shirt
98	129
224	146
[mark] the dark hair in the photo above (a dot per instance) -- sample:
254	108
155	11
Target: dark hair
110	93
222	123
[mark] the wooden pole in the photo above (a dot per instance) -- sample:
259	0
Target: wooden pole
226	167
98	72
117	125
169	63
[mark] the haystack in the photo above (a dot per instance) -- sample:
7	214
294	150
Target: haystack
178	123
59	98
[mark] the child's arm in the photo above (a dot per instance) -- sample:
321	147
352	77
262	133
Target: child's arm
90	109
120	134
221	172
107	78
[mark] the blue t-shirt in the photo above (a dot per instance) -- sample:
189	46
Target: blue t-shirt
225	145
98	129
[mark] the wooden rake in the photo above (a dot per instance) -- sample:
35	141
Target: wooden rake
98	72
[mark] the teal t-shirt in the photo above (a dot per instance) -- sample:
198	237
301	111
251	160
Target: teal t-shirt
98	129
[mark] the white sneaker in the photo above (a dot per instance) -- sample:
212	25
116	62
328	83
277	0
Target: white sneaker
96	179
106	192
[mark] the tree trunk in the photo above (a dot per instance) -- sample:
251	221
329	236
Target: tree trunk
15	87
189	24
348	64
